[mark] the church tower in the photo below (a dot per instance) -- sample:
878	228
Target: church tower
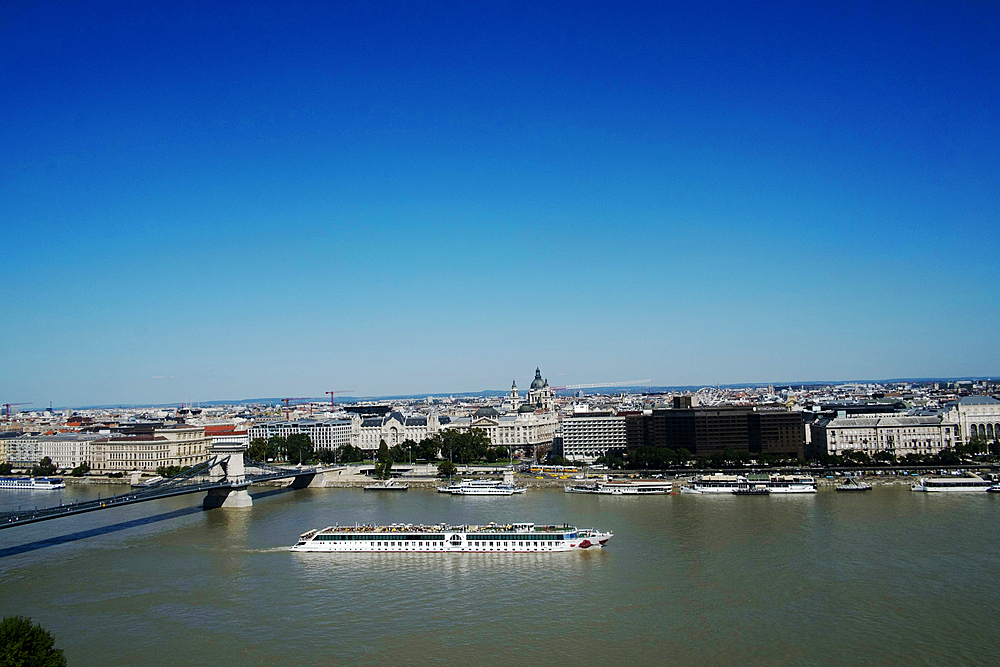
515	400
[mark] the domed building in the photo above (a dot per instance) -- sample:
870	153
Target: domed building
539	394
524	427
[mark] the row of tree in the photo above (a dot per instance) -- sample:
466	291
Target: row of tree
453	445
660	458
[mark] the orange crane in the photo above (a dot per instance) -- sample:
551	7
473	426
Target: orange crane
8	406
286	401
333	395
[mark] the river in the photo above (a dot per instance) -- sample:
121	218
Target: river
886	577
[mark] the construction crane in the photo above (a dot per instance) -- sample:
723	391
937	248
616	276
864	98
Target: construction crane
286	401
8	406
333	395
629	383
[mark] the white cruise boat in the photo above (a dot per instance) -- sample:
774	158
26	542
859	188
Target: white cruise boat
753	484
442	538
40	483
622	488
481	487
964	484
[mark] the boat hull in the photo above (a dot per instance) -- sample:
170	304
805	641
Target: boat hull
450	539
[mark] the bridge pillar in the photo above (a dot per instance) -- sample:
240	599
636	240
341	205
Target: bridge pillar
235	497
228	469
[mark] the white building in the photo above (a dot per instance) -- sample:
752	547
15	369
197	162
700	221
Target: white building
525	431
897	434
394	428
66	450
328	434
590	435
974	416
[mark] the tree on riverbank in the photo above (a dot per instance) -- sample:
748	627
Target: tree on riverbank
383	461
43	468
28	644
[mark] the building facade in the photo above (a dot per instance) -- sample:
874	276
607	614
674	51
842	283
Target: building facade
66	450
182	445
974	416
326	434
898	435
704	431
589	435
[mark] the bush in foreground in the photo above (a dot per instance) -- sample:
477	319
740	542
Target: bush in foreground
27	644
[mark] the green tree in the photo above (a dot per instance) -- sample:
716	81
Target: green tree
299	447
383	461
428	448
400	453
80	470
170	471
447	469
43	468
6	468
257	451
27	644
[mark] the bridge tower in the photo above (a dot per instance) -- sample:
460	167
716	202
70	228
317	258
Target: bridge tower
229	467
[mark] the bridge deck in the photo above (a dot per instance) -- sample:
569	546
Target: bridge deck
189	482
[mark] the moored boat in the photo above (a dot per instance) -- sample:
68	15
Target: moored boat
622	488
32	483
774	483
965	484
484	487
387	485
443	538
853	484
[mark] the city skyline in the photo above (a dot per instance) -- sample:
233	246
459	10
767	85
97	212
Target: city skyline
210	202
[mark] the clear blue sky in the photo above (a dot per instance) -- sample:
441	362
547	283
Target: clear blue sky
203	201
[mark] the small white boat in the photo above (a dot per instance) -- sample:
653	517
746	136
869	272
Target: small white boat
852	484
387	485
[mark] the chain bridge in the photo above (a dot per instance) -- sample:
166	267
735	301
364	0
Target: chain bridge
224	478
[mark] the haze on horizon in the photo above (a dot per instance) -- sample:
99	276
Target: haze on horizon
222	200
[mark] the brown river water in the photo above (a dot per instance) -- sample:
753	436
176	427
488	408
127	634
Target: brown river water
886	577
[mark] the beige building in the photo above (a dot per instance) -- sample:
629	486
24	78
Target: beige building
180	445
897	434
525	431
974	416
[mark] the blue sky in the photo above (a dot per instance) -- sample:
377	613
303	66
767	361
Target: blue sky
207	201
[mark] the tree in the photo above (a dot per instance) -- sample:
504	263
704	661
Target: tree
299	447
6	468
29	644
80	470
400	453
170	471
428	448
350	454
383	461
447	469
43	468
257	451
